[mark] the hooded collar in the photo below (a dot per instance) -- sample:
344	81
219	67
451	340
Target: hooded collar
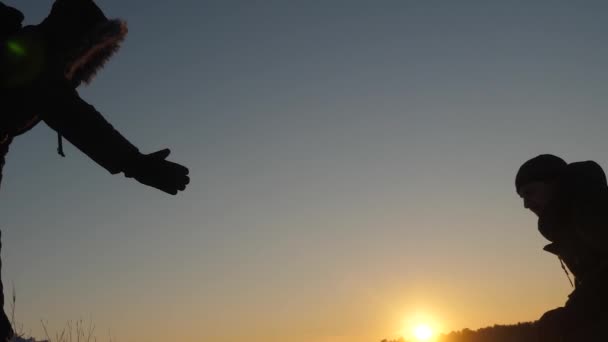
10	20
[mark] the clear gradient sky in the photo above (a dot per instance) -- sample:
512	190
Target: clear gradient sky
352	167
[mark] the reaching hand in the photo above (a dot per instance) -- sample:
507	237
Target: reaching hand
153	170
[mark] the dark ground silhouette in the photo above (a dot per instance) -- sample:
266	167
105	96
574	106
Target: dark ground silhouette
521	332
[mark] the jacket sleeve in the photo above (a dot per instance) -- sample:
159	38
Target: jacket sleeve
83	126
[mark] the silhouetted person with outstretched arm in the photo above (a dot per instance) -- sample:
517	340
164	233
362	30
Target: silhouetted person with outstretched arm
571	202
40	68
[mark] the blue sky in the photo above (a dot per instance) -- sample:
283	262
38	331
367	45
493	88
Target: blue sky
352	164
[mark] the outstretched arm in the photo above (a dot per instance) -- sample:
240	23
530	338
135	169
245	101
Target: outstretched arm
83	126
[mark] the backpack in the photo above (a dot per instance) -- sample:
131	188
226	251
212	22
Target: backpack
576	222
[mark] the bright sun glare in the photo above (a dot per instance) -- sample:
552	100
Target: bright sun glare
423	332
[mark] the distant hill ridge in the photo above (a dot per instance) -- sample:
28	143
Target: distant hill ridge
520	332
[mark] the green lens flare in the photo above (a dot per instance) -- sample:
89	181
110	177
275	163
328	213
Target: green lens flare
16	48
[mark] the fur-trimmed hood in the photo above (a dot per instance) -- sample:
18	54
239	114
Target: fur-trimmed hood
82	38
95	50
10	20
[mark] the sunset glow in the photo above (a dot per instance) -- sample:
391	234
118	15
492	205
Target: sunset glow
352	166
423	332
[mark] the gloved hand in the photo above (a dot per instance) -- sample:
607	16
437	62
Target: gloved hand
153	170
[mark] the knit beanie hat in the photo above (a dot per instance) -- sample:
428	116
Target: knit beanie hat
545	167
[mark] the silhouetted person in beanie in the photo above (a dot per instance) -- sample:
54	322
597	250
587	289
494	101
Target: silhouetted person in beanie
40	68
571	202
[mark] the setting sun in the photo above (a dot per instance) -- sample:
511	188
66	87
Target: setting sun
423	332
422	325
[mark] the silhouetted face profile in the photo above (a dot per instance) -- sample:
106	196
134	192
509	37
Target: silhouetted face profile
537	195
536	181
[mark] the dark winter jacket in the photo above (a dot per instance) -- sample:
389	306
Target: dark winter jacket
40	67
576	223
